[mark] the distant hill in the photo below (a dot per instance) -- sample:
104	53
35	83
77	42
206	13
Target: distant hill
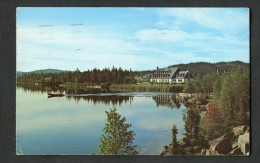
44	71
19	73
208	68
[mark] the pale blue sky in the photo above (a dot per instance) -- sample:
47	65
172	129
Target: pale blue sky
136	38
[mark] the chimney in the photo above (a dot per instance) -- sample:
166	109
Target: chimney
157	68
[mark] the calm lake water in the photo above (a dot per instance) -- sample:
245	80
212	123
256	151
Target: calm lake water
73	124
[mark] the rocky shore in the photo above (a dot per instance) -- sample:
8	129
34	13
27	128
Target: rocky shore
236	142
233	143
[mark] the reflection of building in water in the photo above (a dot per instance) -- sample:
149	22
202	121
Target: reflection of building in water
166	100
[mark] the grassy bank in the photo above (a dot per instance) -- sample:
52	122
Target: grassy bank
148	87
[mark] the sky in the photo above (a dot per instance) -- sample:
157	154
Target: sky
130	38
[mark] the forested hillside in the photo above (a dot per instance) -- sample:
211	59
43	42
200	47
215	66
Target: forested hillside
208	68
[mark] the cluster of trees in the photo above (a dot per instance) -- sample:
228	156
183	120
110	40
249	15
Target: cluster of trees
96	76
202	85
229	104
193	139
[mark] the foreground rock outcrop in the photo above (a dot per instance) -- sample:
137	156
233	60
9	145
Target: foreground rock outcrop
166	150
236	142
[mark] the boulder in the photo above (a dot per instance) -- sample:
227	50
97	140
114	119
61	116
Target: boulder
223	144
211	153
166	150
247	130
233	143
203	151
239	130
245	149
236	151
244	143
244	139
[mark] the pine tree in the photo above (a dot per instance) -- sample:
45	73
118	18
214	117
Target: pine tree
193	141
189	87
117	139
175	144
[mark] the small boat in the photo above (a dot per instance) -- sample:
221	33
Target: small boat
55	95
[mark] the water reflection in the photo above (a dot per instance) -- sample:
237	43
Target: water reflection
167	100
40	88
113	99
98	96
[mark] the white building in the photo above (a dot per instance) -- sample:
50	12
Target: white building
171	75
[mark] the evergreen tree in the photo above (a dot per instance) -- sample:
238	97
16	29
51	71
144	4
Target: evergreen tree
198	84
212	122
193	141
117	139
175	144
189	87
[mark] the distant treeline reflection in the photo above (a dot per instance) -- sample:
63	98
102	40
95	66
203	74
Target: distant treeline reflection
40	88
113	99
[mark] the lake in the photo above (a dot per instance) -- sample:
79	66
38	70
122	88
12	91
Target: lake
73	124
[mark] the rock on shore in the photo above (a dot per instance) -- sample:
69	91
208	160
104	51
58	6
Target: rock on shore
233	143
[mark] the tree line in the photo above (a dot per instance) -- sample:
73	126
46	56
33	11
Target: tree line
95	76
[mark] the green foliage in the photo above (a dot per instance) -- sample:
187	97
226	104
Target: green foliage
231	103
216	88
197	83
189	87
235	97
196	100
175	145
212	122
193	141
117	139
176	88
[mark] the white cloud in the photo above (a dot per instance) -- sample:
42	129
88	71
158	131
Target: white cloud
224	20
218	35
